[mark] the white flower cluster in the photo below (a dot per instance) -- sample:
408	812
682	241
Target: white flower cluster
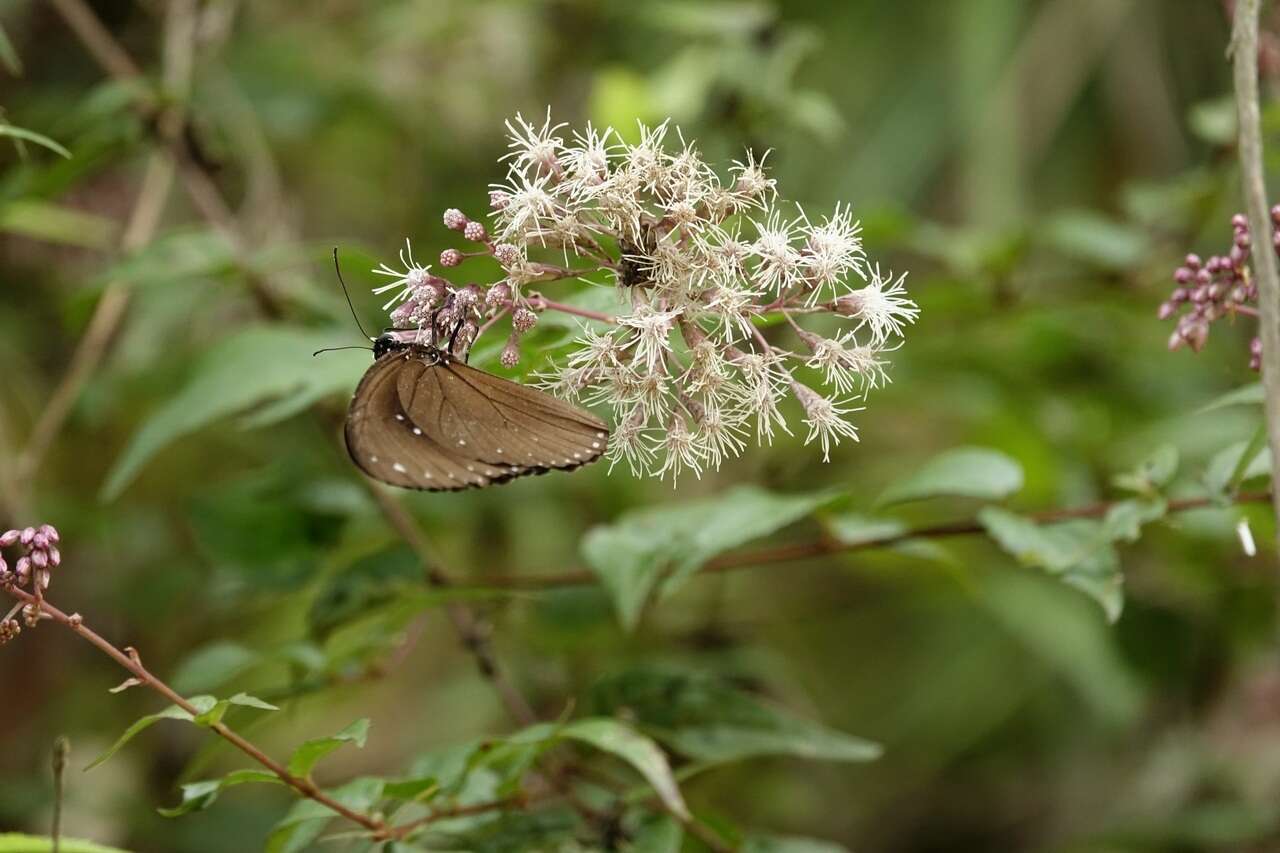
709	266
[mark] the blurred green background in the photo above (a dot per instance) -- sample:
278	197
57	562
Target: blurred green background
1039	167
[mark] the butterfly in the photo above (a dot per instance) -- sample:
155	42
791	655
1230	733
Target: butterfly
422	419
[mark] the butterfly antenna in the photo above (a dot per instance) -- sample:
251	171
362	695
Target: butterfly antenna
347	294
334	349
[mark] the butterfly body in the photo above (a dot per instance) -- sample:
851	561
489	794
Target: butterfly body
421	419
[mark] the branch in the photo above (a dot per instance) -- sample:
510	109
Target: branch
133	664
821	547
1244	52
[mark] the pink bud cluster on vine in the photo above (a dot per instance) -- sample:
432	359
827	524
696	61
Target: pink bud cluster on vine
1221	286
34	552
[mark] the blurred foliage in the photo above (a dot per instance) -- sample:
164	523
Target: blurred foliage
1039	165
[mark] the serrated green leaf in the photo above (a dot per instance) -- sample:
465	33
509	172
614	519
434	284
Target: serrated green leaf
637	551
16	842
197	796
637	750
1078	552
971	472
304	758
709	721
243	370
31	136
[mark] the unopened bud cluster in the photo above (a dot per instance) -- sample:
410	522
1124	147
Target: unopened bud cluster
687	364
1221	286
34	554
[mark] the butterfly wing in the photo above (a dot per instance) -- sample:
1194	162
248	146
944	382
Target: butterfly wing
498	422
388	446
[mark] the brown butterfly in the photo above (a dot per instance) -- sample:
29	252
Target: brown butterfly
421	419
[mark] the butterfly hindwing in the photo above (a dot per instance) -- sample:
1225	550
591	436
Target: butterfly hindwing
498	422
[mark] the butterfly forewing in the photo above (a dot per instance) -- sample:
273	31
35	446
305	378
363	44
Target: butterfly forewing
500	422
422	422
387	445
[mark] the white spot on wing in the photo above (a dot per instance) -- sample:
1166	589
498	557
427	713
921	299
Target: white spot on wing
595	444
417	431
400	468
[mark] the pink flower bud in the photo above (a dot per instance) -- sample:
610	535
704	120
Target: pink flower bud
1193	262
510	356
498	199
1166	311
55	556
523	319
454	219
9	537
50	531
499	294
507	255
450	258
28	536
475	231
39	559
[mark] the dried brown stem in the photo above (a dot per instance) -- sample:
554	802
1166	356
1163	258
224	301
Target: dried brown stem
793	551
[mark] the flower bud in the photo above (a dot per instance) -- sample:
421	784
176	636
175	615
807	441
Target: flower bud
1193	262
55	556
523	319
498	200
510	356
39	559
475	232
50	532
454	219
1239	222
1255	346
498	295
450	258
9	537
1167	310
28	536
507	254
1182	275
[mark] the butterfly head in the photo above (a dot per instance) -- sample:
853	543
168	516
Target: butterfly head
385	343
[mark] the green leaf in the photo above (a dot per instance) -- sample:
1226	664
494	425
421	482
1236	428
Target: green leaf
707	720
54	223
855	529
307	818
246	701
212	666
304	758
1124	520
16	842
243	370
634	553
1236	464
637	750
202	703
1096	239
31	136
1078	552
1248	395
1214	121
1152	474
197	796
657	833
789	844
973	472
